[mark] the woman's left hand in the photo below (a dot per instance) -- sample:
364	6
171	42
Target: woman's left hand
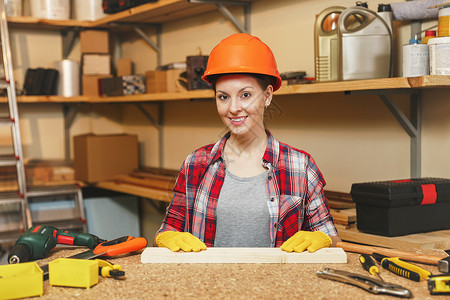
302	240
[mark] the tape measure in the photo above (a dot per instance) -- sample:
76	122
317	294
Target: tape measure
439	284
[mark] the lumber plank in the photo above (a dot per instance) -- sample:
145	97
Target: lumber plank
427	240
243	255
155	194
343	216
155	183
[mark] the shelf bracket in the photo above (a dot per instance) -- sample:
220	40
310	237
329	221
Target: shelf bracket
137	27
68	40
155	45
228	15
69	111
412	126
159	126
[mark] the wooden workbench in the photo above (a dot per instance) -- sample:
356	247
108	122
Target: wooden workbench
227	281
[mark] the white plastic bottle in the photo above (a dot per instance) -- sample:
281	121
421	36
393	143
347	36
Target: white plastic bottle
385	12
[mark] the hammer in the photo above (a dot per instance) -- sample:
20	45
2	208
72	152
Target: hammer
443	263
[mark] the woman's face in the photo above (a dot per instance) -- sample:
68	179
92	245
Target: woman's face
240	103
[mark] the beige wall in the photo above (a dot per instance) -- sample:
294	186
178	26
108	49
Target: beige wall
352	138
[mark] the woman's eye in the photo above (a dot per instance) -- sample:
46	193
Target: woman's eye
222	97
246	95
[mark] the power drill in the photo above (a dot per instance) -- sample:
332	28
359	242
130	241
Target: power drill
37	242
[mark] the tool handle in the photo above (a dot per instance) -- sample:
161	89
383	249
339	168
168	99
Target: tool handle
121	245
399	270
424	274
78	239
368	264
421	258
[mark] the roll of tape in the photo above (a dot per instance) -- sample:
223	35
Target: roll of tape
69	78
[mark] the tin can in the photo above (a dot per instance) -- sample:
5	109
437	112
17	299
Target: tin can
444	22
439	55
415	60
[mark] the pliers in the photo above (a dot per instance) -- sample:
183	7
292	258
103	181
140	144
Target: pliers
369	284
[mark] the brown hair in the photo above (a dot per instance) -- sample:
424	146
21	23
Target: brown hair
263	80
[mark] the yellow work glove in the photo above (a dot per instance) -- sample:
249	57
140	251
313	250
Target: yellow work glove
175	240
302	240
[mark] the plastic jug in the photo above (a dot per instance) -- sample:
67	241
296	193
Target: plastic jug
326	49
365	45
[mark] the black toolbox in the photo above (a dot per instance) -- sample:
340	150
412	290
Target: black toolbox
401	207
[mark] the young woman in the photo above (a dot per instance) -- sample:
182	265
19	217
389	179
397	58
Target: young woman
248	189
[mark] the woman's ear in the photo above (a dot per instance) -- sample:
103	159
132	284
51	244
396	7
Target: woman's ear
268	94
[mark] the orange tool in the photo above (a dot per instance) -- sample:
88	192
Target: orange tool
122	245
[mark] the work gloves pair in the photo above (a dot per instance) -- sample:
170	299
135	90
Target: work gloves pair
299	242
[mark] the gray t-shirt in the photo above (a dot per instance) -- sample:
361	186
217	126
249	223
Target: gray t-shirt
243	218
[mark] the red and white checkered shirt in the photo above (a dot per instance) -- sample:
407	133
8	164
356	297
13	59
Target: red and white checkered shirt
294	185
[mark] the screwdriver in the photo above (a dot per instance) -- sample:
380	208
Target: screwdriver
369	265
402	268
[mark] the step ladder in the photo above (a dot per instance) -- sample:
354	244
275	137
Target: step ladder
9	202
16	205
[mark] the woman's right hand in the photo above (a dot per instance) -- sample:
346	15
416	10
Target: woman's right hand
175	240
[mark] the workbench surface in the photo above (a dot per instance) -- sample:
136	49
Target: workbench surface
226	281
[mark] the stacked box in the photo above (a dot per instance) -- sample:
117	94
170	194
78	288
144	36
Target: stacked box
401	207
94	41
124	85
164	81
124	67
95	60
96	64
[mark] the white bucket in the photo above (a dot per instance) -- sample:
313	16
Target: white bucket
90	10
50	9
439	48
13	8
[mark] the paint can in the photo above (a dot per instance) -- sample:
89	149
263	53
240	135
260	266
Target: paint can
444	21
90	10
415	59
13	8
50	9
439	55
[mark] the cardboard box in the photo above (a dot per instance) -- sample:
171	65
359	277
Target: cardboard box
164	81
124	67
96	64
94	41
101	157
133	84
89	84
124	85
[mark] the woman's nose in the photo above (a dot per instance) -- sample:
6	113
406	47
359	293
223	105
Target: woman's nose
235	105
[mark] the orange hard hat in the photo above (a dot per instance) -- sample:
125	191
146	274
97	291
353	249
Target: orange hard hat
242	53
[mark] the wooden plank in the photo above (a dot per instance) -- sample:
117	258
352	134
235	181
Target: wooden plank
343	216
427	240
243	255
164	184
405	255
430	81
155	194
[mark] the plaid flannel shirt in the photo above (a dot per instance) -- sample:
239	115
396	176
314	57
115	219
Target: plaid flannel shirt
294	185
